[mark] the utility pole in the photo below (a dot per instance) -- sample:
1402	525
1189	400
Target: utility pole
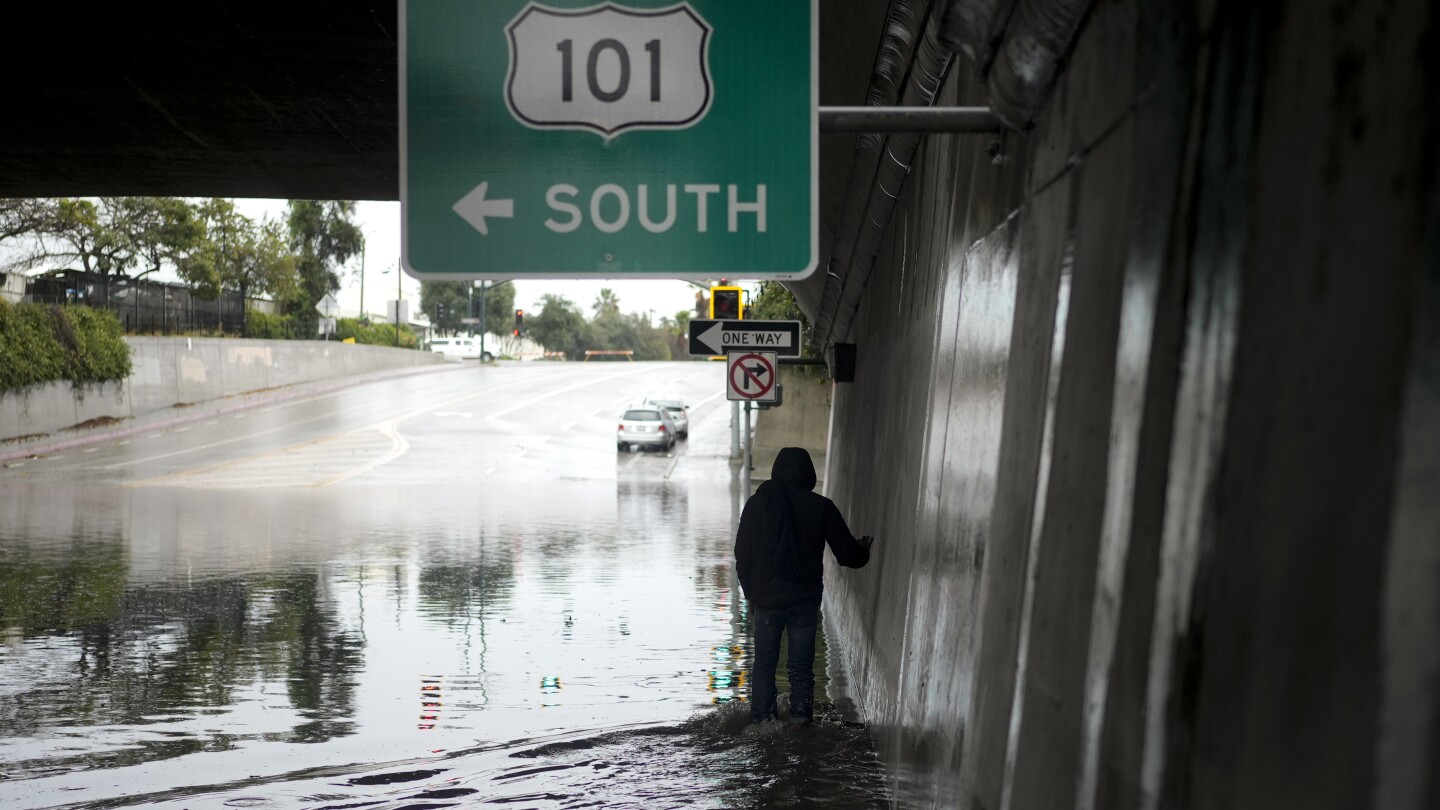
362	279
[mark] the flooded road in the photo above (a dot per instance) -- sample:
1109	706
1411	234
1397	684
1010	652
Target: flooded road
443	590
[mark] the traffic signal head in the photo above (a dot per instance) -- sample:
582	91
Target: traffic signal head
726	304
519	321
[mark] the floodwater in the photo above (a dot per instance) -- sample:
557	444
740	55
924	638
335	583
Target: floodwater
579	643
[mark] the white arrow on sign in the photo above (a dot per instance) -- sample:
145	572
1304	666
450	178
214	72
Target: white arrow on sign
474	208
711	337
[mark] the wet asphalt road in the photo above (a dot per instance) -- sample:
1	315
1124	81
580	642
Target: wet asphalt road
443	589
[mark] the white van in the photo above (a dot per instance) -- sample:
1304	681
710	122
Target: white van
458	348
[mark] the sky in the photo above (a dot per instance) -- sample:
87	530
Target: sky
381	223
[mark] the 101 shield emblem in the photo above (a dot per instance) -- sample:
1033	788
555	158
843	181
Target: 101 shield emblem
608	68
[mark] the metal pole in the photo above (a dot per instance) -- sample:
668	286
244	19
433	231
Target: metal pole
399	294
734	430
908	119
483	287
362	282
749	457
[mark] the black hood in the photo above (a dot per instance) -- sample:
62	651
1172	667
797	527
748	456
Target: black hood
793	468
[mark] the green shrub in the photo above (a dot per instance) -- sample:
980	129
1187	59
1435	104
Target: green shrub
374	333
42	343
264	325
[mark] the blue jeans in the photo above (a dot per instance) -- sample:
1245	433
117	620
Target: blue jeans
799	622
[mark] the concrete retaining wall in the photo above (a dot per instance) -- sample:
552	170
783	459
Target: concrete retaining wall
1145	419
171	371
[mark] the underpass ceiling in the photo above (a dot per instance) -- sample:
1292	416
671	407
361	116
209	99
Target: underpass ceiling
263	99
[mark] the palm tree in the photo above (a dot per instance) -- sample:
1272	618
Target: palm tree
607	304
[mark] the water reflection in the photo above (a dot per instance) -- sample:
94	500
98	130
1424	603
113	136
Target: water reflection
150	667
339	646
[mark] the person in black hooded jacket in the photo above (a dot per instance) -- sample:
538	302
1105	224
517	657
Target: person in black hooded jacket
779	558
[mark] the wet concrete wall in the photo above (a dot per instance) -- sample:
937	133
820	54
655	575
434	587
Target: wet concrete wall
1147	419
172	371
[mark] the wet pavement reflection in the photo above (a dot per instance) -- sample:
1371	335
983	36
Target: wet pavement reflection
580	643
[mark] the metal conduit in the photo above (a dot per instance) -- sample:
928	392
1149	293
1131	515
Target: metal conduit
881	162
1025	39
908	119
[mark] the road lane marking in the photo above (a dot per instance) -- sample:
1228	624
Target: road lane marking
381	426
399	446
542	397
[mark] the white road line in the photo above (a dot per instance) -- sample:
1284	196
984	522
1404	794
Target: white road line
92	449
224	442
374	426
399	446
577	386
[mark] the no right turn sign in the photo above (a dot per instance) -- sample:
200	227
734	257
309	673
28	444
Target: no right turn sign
751	376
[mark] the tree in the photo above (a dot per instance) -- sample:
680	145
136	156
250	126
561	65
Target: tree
559	326
500	306
771	301
323	236
80	232
453	295
160	230
607	304
23	217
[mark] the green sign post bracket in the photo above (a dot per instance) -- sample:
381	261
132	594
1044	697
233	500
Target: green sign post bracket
566	139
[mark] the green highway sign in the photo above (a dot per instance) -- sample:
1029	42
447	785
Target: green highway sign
644	139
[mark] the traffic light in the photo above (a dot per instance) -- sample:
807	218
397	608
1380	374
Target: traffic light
519	322
474	307
439	312
726	304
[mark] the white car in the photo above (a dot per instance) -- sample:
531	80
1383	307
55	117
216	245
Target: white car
645	426
459	348
678	411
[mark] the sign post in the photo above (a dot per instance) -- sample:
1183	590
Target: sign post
570	139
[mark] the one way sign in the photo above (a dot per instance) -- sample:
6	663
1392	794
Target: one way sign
711	338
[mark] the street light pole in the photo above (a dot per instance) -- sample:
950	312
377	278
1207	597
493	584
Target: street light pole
362	280
399	296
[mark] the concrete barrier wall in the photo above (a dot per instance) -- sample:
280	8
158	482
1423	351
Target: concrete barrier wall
171	371
1145	418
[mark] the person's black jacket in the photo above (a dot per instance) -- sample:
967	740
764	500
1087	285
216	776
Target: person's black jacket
780	548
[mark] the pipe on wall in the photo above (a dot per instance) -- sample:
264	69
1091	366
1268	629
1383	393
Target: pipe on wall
1017	45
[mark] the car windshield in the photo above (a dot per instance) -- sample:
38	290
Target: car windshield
642	416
